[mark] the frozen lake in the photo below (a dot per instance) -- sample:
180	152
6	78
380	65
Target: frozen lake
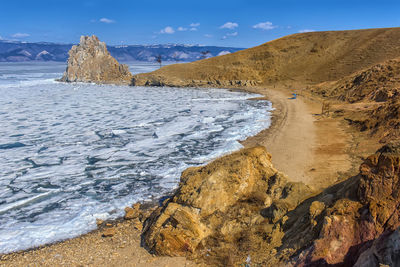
71	153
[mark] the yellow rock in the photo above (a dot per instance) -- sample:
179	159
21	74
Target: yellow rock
109	232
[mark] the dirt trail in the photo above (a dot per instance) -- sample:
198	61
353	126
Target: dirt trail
303	144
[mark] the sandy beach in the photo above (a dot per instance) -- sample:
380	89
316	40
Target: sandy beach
304	145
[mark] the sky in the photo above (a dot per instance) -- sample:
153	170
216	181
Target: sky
235	23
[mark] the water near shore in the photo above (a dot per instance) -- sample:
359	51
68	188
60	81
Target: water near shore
71	153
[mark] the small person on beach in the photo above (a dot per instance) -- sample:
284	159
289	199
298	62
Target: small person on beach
294	96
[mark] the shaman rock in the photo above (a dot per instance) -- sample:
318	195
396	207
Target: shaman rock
89	61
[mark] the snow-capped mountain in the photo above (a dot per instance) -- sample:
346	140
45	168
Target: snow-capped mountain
12	51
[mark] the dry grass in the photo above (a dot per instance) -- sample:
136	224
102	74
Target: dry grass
298	59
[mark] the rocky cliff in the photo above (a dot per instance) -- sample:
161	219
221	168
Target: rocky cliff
240	209
91	62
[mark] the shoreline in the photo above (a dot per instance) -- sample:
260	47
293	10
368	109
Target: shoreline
293	153
304	145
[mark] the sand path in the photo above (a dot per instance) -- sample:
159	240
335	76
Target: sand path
304	145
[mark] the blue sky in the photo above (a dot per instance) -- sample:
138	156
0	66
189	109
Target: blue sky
236	23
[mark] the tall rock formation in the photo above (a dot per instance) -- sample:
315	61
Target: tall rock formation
91	62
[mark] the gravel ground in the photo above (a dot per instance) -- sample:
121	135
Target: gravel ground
113	244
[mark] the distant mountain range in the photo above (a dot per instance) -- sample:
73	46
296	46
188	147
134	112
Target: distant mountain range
13	51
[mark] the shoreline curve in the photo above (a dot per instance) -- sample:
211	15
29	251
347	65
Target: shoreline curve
294	139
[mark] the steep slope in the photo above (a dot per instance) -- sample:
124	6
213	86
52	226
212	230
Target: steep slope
306	58
371	99
377	83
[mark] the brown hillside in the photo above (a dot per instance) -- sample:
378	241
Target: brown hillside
306	58
374	97
378	83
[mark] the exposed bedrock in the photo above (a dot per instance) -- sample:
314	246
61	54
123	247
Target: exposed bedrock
171	81
364	217
89	61
239	207
224	208
371	98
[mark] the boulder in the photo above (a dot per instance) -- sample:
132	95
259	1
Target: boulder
385	251
109	232
379	187
219	205
131	213
89	61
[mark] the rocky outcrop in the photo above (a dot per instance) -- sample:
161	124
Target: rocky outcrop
385	251
239	208
374	95
376	83
91	62
223	209
161	80
355	228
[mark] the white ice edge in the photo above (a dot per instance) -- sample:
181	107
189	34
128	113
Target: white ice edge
15	237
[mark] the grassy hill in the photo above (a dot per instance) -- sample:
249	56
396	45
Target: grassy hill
298	59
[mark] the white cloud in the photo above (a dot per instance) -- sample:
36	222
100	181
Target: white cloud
168	30
194	26
106	20
182	29
20	35
1	38
306	30
208	35
233	34
229	25
264	26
